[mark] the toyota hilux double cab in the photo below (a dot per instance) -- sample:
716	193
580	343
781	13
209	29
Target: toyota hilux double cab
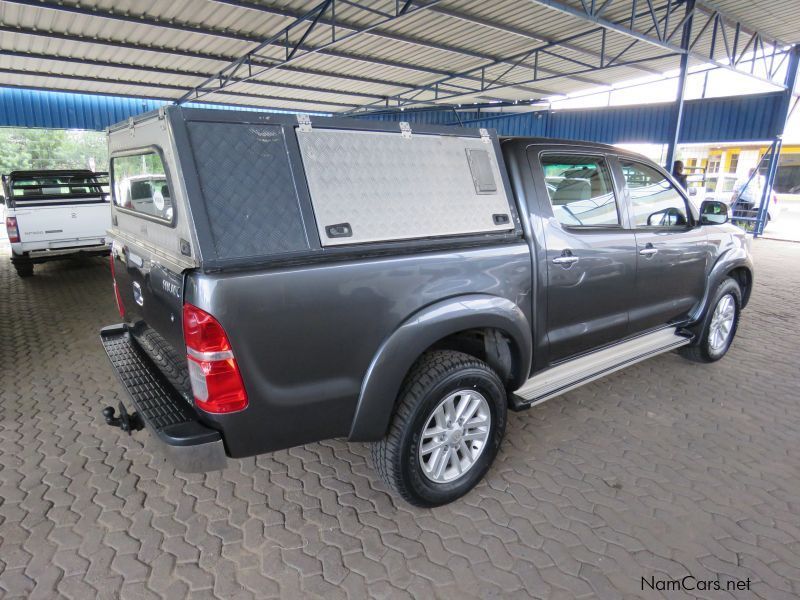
392	283
52	215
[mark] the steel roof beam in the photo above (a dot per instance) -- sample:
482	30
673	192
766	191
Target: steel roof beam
519	59
531	35
589	14
188	28
295	49
287	13
193	54
167	86
178	73
593	69
661	40
154	22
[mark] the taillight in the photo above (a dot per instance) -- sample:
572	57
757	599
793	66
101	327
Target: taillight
216	383
120	306
12	229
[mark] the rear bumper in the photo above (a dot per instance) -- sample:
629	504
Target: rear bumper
186	443
20	252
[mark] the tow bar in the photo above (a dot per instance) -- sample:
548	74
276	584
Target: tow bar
129	422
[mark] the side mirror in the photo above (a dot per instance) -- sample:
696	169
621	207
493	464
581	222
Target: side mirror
713	212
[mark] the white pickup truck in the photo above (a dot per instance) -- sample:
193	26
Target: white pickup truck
51	215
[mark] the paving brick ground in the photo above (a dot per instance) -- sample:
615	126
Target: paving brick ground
665	469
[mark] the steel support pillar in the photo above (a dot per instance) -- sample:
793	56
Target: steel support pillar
675	131
782	116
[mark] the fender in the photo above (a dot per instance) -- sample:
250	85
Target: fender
731	258
405	345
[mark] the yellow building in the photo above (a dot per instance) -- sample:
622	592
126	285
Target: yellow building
704	161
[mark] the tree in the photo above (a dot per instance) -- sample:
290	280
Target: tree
22	149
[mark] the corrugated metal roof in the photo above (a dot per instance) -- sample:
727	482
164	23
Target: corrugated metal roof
164	48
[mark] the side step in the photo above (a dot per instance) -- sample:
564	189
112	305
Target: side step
574	373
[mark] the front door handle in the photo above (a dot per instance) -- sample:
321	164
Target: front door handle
648	252
566	260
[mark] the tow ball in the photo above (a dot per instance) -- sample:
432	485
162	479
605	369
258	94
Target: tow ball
126	421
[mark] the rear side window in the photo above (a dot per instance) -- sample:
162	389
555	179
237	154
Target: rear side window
140	185
656	202
580	190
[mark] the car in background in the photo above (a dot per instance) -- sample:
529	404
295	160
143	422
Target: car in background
56	214
721	187
145	194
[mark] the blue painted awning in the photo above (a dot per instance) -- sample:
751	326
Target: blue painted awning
743	118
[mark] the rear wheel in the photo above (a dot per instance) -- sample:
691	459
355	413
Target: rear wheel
719	325
24	268
446	429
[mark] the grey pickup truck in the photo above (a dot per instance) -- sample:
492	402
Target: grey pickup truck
286	279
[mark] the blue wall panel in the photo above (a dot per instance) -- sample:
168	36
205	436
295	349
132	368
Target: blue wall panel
29	108
519	124
744	118
648	123
63	110
733	119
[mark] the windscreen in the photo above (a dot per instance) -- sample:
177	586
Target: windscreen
31	189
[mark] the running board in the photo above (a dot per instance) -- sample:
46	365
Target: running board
564	377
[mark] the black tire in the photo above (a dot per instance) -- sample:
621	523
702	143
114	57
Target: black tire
24	269
703	351
434	377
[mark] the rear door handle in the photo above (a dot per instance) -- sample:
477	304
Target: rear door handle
648	251
566	260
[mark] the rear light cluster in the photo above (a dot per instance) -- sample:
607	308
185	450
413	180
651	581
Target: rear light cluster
12	229
120	306
216	383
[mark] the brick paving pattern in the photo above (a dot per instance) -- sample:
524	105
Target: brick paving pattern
664	469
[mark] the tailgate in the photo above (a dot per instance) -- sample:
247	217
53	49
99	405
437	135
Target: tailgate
63	223
150	293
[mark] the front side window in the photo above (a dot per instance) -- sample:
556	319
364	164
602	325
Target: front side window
140	185
656	202
580	190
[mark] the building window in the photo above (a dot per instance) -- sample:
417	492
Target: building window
713	164
734	162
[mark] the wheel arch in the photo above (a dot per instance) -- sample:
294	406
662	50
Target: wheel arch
744	277
735	263
450	324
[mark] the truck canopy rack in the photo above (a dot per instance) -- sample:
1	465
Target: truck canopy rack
49	187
